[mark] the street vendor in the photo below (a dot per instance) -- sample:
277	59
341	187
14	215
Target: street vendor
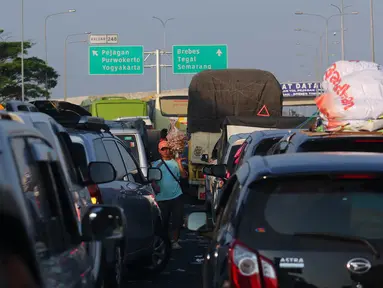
169	192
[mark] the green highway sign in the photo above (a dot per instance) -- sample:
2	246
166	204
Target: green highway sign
191	59
116	60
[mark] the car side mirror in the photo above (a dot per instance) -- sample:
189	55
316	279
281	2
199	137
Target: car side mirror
103	222
215	170
101	172
198	221
205	157
154	174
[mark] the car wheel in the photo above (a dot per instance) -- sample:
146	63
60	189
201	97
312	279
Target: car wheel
114	271
160	254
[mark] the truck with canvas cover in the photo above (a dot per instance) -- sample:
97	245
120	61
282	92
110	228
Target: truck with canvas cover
216	94
111	108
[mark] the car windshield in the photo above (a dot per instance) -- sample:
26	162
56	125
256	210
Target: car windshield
299	110
282	208
373	144
174	106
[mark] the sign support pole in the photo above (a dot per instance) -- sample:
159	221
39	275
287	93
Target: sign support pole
65	71
158	71
158	53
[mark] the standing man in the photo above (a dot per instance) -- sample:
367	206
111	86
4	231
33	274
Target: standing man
169	192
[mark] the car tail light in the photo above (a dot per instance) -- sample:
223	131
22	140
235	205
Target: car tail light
95	194
356	176
369	141
250	270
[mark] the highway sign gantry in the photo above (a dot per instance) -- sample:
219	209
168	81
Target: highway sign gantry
116	60
191	59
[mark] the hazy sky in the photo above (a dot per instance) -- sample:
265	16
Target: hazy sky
259	34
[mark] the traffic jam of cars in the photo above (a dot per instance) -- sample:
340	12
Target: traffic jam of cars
283	201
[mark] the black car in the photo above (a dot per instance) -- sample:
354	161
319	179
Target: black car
59	138
307	141
20	106
298	220
257	143
40	227
147	246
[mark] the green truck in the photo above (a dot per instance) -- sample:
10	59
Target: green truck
111	108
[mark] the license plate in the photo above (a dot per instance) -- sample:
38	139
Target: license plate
201	193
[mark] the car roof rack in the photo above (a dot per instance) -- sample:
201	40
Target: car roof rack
70	115
134	123
118	124
87	123
92	124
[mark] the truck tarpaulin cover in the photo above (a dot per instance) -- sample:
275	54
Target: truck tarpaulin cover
259	122
215	94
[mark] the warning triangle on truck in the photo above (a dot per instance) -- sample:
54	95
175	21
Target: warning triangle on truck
263	112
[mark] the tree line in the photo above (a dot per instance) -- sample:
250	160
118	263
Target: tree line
39	78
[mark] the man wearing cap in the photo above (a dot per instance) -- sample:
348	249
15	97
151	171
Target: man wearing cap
169	192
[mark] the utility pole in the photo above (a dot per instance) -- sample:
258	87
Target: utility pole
372	30
65	61
327	55
22	52
46	42
327	19
163	23
342	27
158	71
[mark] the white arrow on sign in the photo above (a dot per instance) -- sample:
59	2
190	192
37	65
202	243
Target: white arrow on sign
219	52
95	53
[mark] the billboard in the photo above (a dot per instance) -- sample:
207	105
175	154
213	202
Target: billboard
301	89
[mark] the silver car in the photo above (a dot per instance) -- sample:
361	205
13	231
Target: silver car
134	141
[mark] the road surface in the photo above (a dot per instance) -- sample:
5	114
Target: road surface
185	266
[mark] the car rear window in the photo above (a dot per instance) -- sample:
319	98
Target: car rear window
343	145
277	209
79	153
131	142
230	159
265	145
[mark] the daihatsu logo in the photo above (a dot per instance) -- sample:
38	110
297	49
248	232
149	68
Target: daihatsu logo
358	265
